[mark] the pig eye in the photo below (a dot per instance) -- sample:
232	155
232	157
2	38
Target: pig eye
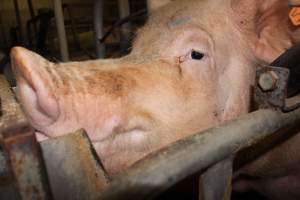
196	55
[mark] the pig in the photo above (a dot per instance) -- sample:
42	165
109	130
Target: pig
191	67
154	4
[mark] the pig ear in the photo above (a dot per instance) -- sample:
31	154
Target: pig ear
155	4
269	21
35	87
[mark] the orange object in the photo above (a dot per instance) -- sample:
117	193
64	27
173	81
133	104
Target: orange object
295	15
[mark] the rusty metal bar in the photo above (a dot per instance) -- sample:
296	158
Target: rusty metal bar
23	157
163	169
22	166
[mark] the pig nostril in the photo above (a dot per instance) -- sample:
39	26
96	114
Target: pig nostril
196	55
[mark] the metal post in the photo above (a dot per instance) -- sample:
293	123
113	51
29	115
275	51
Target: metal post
124	11
61	31
31	10
2	29
19	21
32	15
98	27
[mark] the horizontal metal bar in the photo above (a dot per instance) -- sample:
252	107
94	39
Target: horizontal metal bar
163	169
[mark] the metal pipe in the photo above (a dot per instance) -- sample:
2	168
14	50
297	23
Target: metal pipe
2	29
31	10
19	21
124	11
32	15
61	31
98	27
161	170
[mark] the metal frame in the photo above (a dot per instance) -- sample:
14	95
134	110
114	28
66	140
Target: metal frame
124	11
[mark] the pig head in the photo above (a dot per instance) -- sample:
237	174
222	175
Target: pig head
191	68
154	4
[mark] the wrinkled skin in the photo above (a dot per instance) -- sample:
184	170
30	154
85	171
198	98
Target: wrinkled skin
161	92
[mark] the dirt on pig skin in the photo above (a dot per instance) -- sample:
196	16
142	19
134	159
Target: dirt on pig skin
191	67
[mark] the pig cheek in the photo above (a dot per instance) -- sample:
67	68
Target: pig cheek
123	150
236	86
102	129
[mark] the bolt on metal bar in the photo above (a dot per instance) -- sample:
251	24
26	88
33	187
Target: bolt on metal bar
163	169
